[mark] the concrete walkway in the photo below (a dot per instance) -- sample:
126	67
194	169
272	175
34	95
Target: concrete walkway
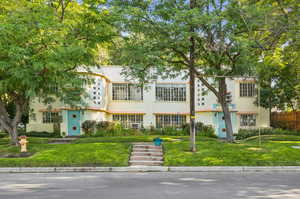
146	154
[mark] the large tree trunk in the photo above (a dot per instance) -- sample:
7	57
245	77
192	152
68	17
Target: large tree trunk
192	112
192	85
10	125
14	136
12	132
225	108
228	123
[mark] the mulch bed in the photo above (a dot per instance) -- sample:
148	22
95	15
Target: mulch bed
16	155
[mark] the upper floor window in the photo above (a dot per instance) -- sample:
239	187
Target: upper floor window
248	120
171	92
170	120
50	117
247	90
122	91
129	121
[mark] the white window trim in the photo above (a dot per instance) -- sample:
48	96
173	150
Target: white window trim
169	120
247	122
125	93
247	89
129	120
170	92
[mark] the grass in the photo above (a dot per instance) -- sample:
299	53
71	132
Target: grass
275	150
85	154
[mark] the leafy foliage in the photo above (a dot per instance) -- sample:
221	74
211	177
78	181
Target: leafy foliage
40	134
246	133
42	45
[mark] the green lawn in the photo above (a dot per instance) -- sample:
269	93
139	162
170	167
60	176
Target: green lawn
85	154
274	151
114	151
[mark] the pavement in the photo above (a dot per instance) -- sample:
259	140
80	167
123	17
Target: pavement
140	168
149	185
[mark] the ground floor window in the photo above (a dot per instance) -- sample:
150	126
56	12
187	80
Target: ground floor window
129	121
170	120
50	117
248	120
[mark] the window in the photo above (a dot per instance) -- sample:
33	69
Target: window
248	120
247	89
171	92
127	92
129	121
50	117
170	120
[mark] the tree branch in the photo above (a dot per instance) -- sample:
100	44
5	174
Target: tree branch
207	84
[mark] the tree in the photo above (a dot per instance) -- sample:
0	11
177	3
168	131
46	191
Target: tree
202	38
42	43
275	31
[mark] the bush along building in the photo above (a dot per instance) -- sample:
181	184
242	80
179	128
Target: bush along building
160	104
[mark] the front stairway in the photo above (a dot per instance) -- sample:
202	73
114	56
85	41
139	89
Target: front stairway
146	154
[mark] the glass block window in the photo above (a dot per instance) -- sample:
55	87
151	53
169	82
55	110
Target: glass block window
129	121
50	117
122	91
170	120
171	92
97	92
248	120
247	89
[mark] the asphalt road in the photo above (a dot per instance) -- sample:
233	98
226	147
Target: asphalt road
150	185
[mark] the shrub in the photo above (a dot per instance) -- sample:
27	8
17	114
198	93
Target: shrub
173	131
201	129
246	133
88	127
115	129
103	125
40	134
3	134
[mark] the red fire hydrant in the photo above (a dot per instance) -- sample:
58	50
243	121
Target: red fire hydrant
23	143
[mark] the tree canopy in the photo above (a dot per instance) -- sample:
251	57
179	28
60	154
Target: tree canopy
42	43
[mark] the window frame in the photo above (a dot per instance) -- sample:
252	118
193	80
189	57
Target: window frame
126	92
127	120
49	117
170	120
247	89
170	92
245	122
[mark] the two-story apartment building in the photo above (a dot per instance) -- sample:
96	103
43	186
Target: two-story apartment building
162	103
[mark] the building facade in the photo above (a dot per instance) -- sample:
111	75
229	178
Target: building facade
162	103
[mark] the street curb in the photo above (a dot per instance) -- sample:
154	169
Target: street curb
149	169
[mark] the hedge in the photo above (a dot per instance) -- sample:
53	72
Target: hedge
246	133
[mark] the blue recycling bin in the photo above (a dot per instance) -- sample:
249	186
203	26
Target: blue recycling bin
157	141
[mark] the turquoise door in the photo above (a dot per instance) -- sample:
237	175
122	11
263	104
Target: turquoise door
73	123
220	123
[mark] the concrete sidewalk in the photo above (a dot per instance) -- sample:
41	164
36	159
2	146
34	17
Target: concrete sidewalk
150	169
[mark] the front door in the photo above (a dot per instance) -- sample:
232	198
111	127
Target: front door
220	121
73	123
221	125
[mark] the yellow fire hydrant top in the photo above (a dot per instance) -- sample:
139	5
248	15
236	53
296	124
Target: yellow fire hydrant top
23	143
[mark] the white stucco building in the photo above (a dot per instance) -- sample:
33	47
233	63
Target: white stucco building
161	103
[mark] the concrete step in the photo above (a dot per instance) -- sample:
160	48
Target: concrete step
150	158
146	147
147	153
147	150
146	163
